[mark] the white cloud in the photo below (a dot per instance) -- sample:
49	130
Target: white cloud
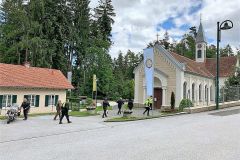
136	20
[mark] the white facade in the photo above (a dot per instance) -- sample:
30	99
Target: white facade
47	98
200	90
170	76
183	77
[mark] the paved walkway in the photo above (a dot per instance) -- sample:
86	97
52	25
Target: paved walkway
200	136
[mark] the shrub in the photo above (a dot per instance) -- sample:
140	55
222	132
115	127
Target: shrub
185	103
89	101
75	108
172	101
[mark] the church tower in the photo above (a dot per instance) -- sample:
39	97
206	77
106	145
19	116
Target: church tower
201	45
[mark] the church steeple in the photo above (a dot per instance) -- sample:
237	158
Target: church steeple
200	34
201	45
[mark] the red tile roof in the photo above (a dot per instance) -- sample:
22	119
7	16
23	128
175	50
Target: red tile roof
208	68
227	65
32	77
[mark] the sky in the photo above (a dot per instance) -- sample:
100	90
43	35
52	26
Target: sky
137	22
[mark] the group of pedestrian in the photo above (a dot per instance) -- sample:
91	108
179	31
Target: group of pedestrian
120	103
61	110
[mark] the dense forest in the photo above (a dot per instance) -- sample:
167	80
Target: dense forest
70	36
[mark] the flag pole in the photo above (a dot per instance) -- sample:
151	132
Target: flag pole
96	93
153	98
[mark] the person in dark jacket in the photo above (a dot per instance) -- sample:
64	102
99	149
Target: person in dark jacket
58	109
64	110
105	104
130	104
26	106
120	103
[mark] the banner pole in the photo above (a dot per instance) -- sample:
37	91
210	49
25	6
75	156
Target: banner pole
153	83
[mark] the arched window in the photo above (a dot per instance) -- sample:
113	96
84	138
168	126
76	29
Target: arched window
193	92
211	93
200	92
185	90
206	93
199	54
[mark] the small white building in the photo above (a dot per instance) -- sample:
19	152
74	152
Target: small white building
43	87
184	77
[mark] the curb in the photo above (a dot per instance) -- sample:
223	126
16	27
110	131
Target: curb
146	118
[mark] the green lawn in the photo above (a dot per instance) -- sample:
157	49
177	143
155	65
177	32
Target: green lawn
170	112
125	119
3	117
85	113
82	114
100	108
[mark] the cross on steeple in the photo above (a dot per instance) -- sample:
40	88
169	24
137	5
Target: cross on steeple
157	36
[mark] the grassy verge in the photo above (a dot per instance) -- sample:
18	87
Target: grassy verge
170	112
82	114
125	119
3	117
100	108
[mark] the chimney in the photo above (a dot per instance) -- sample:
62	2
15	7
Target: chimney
26	64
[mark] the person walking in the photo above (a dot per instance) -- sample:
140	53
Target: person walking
64	110
58	109
147	106
26	106
130	104
120	103
105	104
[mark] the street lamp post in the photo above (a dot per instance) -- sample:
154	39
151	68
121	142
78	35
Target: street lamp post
223	26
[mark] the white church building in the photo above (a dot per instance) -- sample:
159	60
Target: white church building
186	78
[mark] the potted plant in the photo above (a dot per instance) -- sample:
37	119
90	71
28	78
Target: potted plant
91	108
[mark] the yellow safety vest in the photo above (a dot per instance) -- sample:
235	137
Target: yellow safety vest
150	100
147	102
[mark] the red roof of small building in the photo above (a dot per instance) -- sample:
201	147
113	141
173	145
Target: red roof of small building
32	77
208	68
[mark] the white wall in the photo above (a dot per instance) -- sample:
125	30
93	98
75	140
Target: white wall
20	92
197	80
179	88
222	81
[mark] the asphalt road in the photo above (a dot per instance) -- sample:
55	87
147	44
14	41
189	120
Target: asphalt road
186	137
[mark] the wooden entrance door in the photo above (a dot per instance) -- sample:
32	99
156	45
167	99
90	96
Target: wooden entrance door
157	98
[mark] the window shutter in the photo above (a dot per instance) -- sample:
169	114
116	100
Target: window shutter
37	101
46	100
1	97
56	99
26	96
14	99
